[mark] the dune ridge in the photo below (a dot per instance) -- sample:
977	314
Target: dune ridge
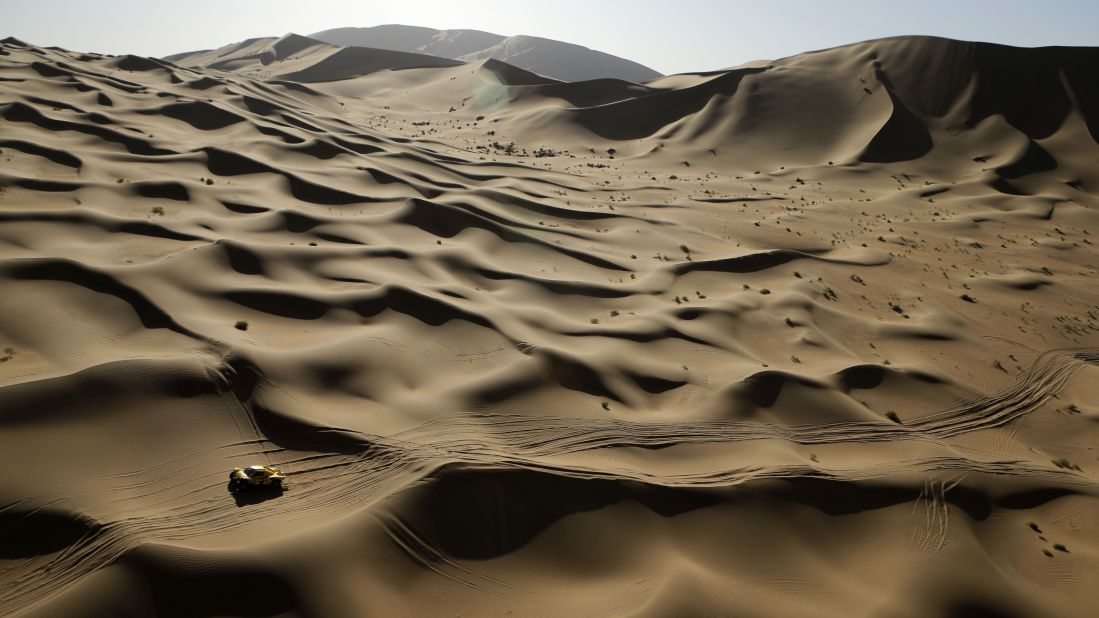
555	59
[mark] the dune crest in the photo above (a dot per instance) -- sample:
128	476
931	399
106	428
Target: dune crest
555	59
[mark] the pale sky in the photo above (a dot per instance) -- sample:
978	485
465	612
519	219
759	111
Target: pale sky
671	37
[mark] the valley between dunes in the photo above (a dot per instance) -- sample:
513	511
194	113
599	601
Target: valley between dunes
810	337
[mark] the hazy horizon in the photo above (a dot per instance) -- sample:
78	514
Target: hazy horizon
696	36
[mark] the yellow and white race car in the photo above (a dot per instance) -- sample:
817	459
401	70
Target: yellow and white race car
256	476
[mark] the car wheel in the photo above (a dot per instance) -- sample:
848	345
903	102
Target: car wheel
277	484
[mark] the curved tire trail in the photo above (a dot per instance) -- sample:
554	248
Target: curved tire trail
389	464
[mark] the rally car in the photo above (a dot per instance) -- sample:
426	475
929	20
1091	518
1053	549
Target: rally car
256	476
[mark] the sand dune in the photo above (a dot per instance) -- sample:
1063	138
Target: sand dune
555	59
812	337
302	59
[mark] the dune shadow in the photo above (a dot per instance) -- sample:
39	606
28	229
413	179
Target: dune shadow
491	512
254	495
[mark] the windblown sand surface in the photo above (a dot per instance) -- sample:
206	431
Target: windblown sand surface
556	59
809	338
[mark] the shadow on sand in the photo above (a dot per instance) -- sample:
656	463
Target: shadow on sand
254	495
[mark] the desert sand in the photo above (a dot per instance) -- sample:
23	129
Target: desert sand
555	59
809	337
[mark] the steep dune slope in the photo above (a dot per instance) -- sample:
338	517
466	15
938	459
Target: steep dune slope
302	59
815	337
554	59
878	101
